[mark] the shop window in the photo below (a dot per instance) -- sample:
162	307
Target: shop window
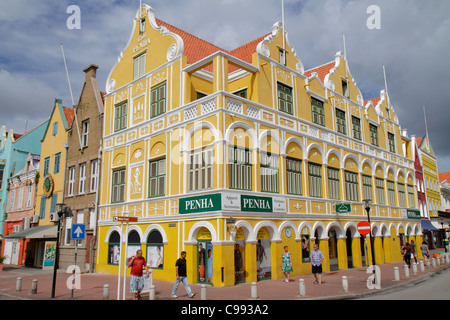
114	248
155	250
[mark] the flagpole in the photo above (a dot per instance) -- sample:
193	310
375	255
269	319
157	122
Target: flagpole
282	21
386	87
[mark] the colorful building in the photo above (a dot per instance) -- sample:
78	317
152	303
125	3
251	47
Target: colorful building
82	174
14	150
20	215
50	184
215	151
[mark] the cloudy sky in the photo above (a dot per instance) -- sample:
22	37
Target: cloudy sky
413	43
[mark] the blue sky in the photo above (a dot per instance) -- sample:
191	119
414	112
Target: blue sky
413	44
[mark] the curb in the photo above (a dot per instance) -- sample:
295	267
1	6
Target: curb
406	283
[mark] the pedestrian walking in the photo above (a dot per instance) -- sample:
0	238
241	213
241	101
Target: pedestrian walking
137	263
316	262
413	251
286	263
425	251
406	250
180	267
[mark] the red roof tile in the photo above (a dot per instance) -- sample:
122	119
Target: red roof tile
419	141
196	49
321	71
444	176
374	101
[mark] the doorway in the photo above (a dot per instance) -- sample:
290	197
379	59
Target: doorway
333	250
204	262
349	248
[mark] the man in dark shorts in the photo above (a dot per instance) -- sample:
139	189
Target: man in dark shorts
316	262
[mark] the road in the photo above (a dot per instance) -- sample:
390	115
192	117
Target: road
436	287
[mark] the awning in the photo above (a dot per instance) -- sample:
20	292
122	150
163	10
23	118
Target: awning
426	225
35	233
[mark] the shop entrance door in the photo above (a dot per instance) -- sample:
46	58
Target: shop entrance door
204	261
263	265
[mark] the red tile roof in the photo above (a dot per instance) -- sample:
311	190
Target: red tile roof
374	101
196	49
444	176
70	114
419	141
321	71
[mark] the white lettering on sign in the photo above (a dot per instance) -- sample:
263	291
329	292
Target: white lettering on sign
257	204
199	204
143	41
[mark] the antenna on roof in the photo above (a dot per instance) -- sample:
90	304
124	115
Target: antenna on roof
71	95
386	87
282	21
345	58
426	126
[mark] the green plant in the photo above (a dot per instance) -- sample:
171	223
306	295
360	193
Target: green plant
2	258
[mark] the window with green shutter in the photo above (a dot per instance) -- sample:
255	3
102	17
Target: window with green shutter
333	183
351	186
341	126
158	101
285	98
379	183
120	116
391	139
157	178
240	168
315	180
367	187
374	135
294	176
118	186
318	112
356	127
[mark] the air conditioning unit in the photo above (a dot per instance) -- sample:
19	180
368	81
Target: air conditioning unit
34	219
17	228
54	217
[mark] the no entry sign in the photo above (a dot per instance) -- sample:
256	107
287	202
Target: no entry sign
363	228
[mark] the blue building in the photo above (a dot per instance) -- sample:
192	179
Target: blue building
14	149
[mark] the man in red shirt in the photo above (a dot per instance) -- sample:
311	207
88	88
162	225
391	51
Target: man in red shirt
137	263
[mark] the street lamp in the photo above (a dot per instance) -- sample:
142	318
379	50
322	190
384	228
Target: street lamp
367	203
65	212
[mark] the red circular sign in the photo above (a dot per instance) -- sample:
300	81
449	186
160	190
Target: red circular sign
363	228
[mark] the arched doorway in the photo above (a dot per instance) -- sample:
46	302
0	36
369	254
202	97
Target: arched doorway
348	242
263	256
333	250
204	256
239	257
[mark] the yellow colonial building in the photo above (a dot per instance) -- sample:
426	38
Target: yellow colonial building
50	186
232	155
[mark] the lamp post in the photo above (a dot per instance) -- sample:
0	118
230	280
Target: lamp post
65	212
367	203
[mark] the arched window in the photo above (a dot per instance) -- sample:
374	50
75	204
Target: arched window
114	248
155	250
134	243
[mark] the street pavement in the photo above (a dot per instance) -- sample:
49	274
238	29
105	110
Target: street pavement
92	285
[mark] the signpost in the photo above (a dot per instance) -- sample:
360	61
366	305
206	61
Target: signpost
77	233
122	220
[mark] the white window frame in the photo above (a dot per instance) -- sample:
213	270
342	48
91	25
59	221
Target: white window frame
85	135
94	175
201	170
71	185
82	180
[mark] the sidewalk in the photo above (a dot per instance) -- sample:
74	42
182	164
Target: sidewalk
92	285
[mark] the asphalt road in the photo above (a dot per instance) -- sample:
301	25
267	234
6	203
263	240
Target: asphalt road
436	287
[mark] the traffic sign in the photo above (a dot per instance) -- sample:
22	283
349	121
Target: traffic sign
363	228
78	232
125	219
